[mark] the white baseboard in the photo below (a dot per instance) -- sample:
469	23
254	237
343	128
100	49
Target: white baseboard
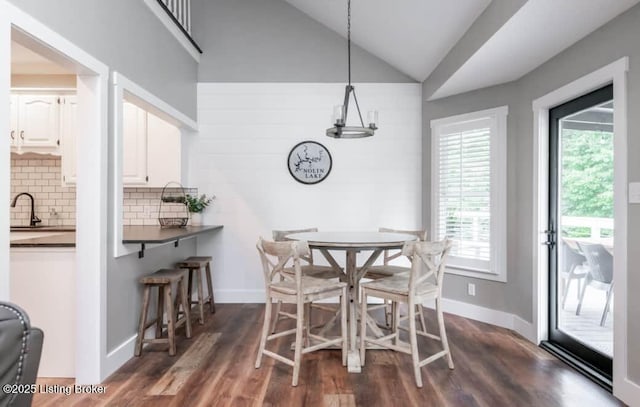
525	329
119	356
628	392
463	309
489	316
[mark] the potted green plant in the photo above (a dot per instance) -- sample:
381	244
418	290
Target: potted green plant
195	206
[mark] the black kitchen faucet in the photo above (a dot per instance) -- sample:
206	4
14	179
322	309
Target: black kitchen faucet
34	219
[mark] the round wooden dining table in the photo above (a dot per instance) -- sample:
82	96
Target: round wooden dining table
352	243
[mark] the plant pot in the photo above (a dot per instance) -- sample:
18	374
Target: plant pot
196	219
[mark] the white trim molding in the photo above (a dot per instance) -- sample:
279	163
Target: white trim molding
488	316
153	104
91	215
615	73
159	12
496	119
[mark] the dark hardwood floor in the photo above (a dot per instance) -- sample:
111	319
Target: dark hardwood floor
494	368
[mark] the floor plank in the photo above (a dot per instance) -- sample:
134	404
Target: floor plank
493	367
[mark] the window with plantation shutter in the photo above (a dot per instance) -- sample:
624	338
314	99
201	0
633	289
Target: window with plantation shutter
469	189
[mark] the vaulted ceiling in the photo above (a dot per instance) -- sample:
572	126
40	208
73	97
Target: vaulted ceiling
462	45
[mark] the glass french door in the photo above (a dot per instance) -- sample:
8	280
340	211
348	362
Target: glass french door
580	232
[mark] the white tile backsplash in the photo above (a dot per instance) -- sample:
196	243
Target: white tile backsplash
41	178
141	206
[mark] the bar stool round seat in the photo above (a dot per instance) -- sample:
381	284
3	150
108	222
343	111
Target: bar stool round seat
195	264
164	279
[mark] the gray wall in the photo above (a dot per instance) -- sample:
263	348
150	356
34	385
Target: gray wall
272	41
616	39
129	38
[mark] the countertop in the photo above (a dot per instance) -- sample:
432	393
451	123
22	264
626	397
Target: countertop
66	237
144	235
156	234
48	236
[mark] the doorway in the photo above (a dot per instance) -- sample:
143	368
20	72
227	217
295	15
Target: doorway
580	233
91	183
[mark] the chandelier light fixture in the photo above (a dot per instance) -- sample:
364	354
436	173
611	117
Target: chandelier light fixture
340	128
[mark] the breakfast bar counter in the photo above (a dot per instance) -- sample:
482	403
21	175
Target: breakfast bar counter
144	235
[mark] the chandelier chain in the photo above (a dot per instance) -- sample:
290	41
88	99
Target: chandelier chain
349	39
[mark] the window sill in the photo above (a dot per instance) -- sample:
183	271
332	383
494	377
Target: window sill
483	275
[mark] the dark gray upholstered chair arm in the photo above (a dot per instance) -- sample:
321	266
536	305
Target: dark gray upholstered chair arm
20	350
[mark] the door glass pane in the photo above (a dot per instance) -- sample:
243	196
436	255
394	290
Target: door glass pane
585	227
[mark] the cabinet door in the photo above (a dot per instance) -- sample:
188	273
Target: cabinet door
13	125
163	152
134	145
38	120
68	137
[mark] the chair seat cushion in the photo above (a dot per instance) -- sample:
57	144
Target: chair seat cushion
310	285
385	271
324	272
400	285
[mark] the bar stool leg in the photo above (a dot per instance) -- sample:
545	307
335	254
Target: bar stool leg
212	303
171	328
160	312
143	321
182	289
198	277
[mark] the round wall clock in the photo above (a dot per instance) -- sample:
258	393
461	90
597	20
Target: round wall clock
309	162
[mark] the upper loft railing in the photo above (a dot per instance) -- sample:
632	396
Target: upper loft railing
180	13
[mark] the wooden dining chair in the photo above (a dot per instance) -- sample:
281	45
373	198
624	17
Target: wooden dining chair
300	290
309	268
424	282
388	269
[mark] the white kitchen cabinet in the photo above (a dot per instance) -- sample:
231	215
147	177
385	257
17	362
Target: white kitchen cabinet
134	145
163	152
150	148
38	124
68	137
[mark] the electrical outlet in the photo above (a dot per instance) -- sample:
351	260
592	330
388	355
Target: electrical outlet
471	289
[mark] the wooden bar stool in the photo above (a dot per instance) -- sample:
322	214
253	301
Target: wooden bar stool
195	264
163	279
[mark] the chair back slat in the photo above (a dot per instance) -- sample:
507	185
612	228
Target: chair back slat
600	261
275	256
389	255
427	259
281	236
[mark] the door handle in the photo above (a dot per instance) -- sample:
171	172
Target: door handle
22	134
550	237
12	133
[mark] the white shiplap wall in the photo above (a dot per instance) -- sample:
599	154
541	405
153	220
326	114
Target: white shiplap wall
246	133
